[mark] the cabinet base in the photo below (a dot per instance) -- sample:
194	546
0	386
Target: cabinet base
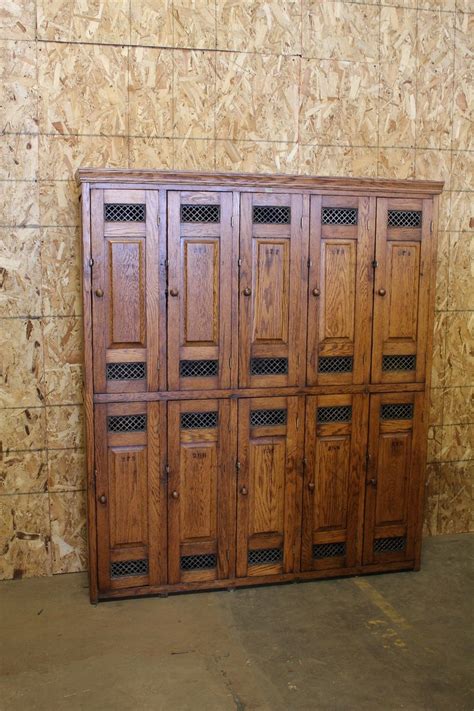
252	581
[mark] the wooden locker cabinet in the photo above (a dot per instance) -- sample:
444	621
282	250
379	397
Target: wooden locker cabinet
257	365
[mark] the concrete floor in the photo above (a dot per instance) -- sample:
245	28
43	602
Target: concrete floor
399	641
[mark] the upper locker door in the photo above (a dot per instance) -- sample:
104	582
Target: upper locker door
402	282
200	242
270	447
394	477
342	231
128	284
201	490
273	253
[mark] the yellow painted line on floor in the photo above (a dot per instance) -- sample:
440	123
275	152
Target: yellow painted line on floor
383	604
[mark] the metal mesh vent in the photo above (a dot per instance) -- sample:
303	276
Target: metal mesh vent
126	371
335	364
399	362
384	545
404	218
262	418
272	215
339	216
116	212
200	213
328	550
128	568
198	368
341	413
198	420
269	366
397	411
265	555
126	423
198	562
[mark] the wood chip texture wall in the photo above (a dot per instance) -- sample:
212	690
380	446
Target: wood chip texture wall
293	86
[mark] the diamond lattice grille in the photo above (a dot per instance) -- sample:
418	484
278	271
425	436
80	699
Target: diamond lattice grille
397	411
271	215
128	568
341	413
384	545
198	420
116	212
335	364
198	368
328	550
399	362
265	555
267	418
198	562
404	218
339	216
269	366
126	371
200	213
126	423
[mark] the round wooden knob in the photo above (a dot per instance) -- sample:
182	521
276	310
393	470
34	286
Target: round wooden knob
174	292
316	292
373	482
103	499
311	486
247	291
244	491
175	495
382	292
99	293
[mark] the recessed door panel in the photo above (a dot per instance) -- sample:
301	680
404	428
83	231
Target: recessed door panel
128	290
201	490
333	494
269	485
402	290
273	267
200	249
342	232
130	494
393	477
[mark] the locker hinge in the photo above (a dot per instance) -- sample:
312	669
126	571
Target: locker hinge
230	363
95	478
305	462
158	220
237	465
309	263
239	262
167	263
297	422
375	264
231	220
301	221
91	262
431	227
157	363
167	470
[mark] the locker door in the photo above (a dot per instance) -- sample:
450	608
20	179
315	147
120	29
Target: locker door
273	253
393	477
333	493
269	485
131	494
342	232
401	299
200	244
201	490
128	290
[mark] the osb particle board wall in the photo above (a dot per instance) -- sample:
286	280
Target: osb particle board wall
296	86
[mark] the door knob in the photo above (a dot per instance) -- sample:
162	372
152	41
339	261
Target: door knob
382	292
244	491
103	499
247	291
316	292
175	495
99	292
174	292
311	486
373	482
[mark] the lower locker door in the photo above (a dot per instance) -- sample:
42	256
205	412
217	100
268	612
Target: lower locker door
333	494
269	485
131	496
393	477
201	490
